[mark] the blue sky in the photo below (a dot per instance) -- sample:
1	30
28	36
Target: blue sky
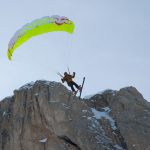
110	45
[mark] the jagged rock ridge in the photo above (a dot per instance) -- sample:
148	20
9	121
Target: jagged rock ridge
45	115
131	113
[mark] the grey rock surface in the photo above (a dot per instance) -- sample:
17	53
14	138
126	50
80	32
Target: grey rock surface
45	115
131	113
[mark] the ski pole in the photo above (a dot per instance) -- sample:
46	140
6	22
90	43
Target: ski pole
59	74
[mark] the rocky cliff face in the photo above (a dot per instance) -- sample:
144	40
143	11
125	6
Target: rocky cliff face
46	116
131	114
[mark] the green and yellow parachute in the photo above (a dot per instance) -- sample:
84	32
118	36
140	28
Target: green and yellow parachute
37	27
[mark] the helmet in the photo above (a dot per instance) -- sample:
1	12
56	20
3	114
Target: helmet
65	73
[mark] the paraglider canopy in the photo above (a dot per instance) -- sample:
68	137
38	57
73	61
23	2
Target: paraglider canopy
37	27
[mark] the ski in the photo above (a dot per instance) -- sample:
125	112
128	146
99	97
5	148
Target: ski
81	88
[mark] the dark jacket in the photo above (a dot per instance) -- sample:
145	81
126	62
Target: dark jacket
68	78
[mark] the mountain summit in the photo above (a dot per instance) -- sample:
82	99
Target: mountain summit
45	115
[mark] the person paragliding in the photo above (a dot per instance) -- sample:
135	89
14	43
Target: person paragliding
69	79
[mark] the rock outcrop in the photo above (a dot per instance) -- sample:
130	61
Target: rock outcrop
131	113
46	116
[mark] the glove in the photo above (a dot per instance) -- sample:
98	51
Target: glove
73	75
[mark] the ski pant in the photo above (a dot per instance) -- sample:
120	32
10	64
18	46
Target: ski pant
72	84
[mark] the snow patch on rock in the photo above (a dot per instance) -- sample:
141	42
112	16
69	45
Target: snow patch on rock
27	86
43	140
104	114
